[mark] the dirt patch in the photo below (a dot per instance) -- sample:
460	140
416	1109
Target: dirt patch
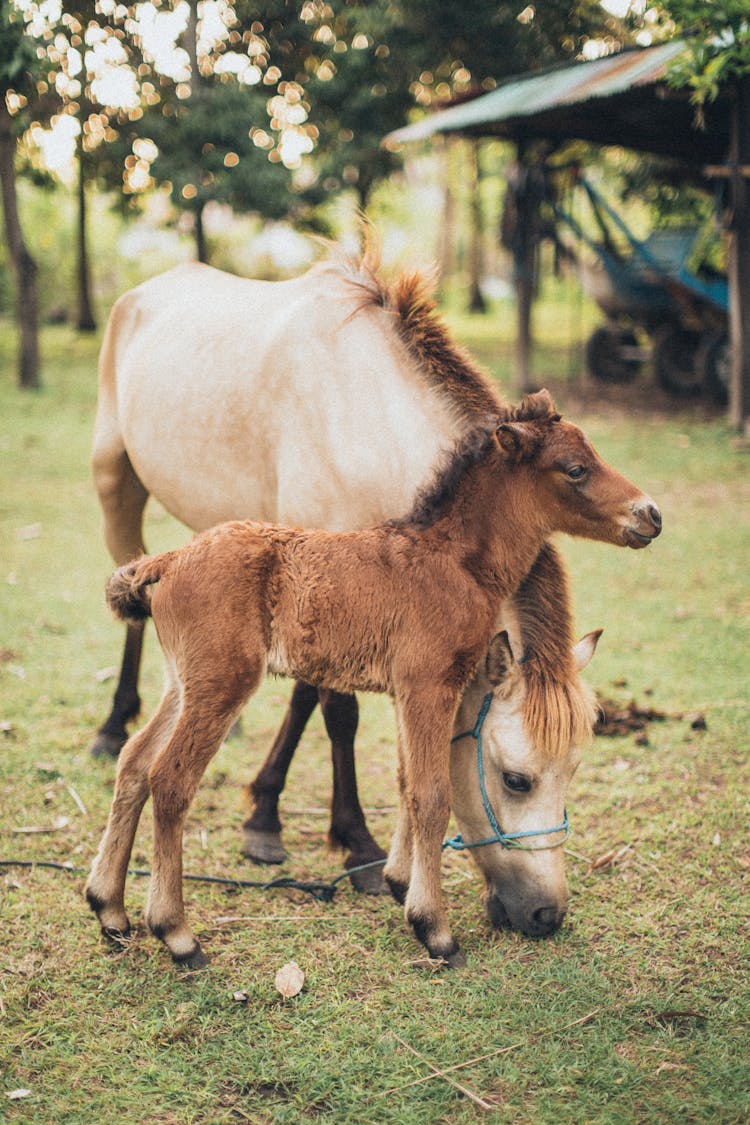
618	718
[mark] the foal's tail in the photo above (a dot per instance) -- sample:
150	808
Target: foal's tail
127	591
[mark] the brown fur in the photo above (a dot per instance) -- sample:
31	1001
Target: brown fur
405	608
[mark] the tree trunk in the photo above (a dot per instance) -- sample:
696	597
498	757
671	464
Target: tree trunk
24	266
739	262
477	302
520	234
201	248
190	41
85	320
447	248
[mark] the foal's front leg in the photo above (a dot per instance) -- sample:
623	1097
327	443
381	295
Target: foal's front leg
425	726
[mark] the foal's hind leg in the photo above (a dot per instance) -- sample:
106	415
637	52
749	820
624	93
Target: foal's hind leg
397	872
205	718
348	827
105	886
262	829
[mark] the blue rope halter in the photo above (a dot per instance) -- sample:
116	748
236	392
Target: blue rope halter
506	839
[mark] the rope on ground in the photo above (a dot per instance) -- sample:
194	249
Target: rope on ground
320	890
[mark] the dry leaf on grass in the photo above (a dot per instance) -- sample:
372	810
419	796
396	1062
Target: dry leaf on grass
289	980
15	1094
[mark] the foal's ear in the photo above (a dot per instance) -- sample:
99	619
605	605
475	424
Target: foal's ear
499	659
518	440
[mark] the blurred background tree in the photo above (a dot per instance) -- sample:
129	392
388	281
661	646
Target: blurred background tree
19	71
279	109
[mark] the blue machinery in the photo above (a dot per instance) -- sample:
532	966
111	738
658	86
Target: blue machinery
652	289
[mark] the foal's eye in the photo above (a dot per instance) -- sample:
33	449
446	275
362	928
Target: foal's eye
577	472
517	782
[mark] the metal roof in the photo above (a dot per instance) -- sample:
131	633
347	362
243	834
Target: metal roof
622	99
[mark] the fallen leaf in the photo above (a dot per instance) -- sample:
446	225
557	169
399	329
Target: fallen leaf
289	980
15	1094
240	996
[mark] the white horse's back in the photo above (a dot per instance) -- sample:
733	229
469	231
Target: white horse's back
293	401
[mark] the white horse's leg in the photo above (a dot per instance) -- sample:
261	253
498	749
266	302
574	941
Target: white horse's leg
105	886
123	498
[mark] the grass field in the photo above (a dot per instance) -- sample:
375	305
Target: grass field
638	1010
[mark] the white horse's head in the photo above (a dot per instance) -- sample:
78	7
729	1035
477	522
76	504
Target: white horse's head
519	735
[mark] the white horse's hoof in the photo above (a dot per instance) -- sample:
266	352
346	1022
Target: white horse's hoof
262	847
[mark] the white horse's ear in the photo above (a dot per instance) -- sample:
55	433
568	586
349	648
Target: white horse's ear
585	649
499	659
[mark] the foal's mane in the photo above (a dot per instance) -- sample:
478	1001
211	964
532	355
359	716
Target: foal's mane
559	708
431	500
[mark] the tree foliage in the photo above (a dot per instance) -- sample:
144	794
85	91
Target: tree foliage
717	49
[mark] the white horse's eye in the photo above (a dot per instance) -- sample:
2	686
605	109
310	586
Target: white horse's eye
517	782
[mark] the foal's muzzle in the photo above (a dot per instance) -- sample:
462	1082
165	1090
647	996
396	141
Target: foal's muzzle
646	526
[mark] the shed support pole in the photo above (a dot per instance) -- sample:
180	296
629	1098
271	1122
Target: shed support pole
524	269
739	263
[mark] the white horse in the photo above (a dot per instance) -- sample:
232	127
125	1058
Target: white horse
325	401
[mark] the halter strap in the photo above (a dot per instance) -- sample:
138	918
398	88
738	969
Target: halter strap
506	839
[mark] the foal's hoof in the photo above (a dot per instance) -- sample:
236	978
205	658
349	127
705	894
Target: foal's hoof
368	881
117	939
397	888
194	960
107	745
262	847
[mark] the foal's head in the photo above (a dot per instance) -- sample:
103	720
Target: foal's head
580	493
515	779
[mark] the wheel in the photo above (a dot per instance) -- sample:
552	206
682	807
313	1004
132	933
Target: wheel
612	355
675	352
716	365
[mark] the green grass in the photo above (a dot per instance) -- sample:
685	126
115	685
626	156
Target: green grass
655	948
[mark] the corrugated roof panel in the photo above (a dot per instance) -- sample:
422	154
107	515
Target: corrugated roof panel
567	85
